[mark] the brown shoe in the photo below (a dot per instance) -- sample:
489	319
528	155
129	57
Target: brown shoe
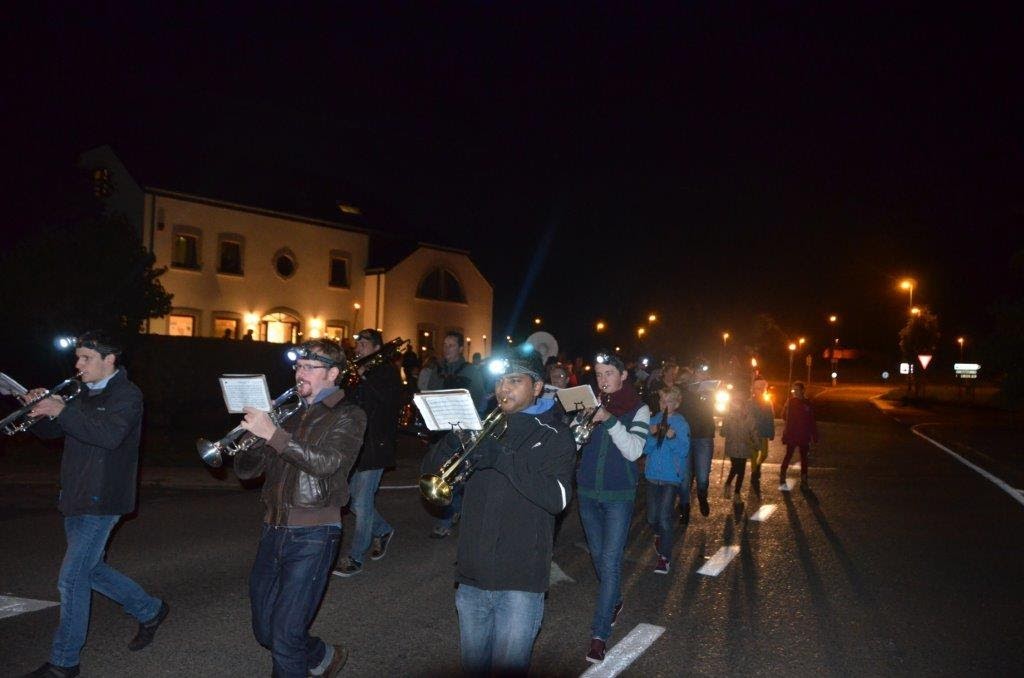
596	653
340	657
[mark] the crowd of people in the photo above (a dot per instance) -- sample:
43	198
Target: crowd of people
519	480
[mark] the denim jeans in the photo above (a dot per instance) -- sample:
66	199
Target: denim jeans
369	523
286	585
661	499
606	524
701	451
84	571
497	629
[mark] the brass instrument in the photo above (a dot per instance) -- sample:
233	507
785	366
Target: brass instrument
212	453
583	424
22	420
384	354
438	488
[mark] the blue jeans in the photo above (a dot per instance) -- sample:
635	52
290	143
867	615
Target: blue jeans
84	571
497	629
286	585
369	523
701	451
661	499
606	524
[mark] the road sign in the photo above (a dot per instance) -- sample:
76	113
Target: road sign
905	368
925	359
966	370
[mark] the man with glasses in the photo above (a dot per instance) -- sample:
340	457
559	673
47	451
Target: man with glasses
306	461
101	429
379	394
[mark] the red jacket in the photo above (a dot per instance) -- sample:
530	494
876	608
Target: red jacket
801	428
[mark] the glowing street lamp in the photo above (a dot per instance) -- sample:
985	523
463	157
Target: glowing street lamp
536	321
652	318
960	340
640	332
915	311
908	285
792	350
833	318
484	337
725	338
599	326
801	341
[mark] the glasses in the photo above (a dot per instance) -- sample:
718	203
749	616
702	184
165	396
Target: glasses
306	368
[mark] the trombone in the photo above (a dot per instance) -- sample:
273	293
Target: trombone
438	488
22	420
212	453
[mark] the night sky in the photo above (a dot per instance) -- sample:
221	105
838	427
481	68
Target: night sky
707	163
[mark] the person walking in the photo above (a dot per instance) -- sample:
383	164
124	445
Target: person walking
667	469
799	432
697	408
740	440
764	425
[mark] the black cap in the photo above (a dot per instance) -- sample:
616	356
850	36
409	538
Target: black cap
523	359
371	335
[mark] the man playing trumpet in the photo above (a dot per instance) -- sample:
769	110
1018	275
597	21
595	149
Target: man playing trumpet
306	461
521	480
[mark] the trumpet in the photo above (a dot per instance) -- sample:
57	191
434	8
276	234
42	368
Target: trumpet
438	488
22	420
583	423
212	453
384	354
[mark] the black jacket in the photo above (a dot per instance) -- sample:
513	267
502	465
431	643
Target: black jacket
522	481
379	393
101	429
699	413
308	458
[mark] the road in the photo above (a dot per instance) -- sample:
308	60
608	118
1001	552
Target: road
900	561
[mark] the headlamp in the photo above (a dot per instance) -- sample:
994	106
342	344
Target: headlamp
602	358
300	353
498	366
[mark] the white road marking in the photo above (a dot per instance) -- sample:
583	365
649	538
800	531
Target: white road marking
719	561
1001	484
625	652
764	512
11	606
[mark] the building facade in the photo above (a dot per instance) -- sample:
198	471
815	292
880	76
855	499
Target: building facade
242	271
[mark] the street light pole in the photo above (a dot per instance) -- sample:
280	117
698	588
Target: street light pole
792	350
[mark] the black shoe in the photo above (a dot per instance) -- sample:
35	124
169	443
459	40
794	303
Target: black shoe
380	545
148	629
49	670
596	652
347	567
704	508
684	514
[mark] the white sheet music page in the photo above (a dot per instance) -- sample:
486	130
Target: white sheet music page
447	409
577	398
245	390
10	387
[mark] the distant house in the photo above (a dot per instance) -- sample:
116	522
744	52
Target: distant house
287	257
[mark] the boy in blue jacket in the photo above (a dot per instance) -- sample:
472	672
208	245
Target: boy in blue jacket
667	469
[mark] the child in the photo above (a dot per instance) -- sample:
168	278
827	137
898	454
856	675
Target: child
740	440
667	468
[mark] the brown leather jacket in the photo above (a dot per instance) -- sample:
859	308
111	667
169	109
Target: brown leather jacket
308	459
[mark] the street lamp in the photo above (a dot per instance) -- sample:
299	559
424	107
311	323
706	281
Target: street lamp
485	344
908	285
915	311
652	318
536	321
640	332
792	350
355	316
960	340
599	326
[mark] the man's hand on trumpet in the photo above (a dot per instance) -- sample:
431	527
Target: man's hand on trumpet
258	423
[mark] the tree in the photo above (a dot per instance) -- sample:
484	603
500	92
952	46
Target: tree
79	268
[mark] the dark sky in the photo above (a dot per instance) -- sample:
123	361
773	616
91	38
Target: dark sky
707	162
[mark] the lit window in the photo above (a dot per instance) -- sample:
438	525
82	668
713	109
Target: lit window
181	325
226	328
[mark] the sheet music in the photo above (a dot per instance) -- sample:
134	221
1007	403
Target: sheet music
577	398
245	390
10	387
447	409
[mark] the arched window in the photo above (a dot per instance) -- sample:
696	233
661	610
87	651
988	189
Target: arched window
280	326
442	285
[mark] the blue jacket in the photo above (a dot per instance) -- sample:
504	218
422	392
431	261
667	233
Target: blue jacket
666	463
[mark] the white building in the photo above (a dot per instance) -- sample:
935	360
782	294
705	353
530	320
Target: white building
236	266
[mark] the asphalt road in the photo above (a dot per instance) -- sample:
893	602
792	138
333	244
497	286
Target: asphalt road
900	561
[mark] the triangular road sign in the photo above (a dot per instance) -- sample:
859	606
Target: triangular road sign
925	359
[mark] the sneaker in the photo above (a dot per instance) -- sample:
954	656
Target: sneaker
727	492
380	545
662	566
340	657
615	612
144	636
49	670
348	567
596	653
705	508
440	532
